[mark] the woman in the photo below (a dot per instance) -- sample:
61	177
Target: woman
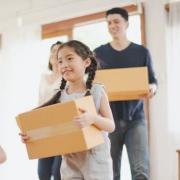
48	167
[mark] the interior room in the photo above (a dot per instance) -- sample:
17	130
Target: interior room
28	28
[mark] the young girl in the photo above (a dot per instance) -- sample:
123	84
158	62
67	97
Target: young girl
75	60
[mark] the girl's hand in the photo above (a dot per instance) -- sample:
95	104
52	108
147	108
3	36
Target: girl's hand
24	137
85	119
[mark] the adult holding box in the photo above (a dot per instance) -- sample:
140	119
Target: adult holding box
49	167
131	127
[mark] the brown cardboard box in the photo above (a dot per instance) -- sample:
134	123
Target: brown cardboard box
124	83
52	131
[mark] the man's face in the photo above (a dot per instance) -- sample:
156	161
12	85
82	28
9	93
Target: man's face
117	25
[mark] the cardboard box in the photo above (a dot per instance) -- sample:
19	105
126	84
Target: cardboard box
52	131
124	83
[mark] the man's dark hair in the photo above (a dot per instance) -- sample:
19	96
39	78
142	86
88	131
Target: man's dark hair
120	11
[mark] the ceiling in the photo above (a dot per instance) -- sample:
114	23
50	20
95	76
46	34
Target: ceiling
9	8
50	9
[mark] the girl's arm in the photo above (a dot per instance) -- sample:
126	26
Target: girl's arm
104	121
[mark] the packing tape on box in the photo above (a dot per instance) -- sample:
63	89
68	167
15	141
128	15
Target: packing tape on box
58	129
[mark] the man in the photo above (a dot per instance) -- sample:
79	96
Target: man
131	127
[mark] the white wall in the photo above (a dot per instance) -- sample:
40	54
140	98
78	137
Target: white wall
155	23
22	59
20	71
163	140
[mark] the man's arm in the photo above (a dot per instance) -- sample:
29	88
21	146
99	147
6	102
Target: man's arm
151	74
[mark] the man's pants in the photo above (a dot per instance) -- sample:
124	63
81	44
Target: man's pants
134	135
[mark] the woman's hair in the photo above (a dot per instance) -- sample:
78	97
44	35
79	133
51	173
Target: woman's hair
84	52
52	46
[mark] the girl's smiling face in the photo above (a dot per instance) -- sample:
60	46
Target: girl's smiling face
71	65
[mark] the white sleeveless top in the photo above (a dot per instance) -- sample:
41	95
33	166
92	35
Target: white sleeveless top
47	89
96	91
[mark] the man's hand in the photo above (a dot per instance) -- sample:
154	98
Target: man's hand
152	90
